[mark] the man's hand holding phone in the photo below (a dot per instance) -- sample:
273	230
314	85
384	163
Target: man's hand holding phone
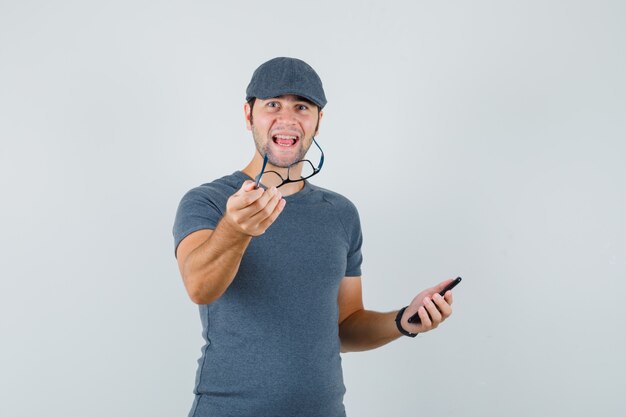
429	308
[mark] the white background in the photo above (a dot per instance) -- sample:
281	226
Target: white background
484	139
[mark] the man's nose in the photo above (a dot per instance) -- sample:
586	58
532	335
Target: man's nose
287	116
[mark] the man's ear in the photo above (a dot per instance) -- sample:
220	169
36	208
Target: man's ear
248	115
320	115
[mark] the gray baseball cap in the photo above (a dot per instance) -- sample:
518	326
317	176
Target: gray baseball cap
280	76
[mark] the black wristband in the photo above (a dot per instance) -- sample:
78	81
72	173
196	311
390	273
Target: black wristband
398	319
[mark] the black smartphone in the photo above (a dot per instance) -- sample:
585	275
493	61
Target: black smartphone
415	318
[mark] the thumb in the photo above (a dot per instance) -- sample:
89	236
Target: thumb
442	285
247	185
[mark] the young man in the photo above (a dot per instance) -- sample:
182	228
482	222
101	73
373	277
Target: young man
274	264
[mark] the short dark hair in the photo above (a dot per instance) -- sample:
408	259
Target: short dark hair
251	104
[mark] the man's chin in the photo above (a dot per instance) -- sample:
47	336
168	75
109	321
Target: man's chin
282	162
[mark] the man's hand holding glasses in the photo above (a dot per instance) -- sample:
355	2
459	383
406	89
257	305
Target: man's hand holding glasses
252	210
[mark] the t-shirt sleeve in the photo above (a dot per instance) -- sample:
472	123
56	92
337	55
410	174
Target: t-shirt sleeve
197	210
355	236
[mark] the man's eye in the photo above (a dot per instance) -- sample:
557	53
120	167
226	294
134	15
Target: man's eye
302	107
272	104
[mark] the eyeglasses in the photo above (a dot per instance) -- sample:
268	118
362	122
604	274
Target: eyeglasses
267	179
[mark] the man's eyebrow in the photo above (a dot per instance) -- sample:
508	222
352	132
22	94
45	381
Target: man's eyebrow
304	100
297	99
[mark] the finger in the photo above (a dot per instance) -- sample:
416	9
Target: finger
434	313
248	185
424	319
448	297
245	187
277	210
258	204
245	197
443	307
267	210
440	287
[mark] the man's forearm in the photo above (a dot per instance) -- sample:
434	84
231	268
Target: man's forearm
212	266
365	330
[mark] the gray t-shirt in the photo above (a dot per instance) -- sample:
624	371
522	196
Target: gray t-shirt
272	343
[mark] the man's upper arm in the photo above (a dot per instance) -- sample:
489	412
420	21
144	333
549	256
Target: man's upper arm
189	244
350	297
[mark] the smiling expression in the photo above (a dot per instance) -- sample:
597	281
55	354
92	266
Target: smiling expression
283	128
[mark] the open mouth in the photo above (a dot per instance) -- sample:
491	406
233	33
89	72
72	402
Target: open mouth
285	140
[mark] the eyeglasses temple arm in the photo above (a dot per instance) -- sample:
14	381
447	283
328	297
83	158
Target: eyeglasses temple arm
322	158
257	180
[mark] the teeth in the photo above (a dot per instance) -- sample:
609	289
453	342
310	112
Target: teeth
285	140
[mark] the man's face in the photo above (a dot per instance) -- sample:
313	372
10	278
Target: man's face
283	128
